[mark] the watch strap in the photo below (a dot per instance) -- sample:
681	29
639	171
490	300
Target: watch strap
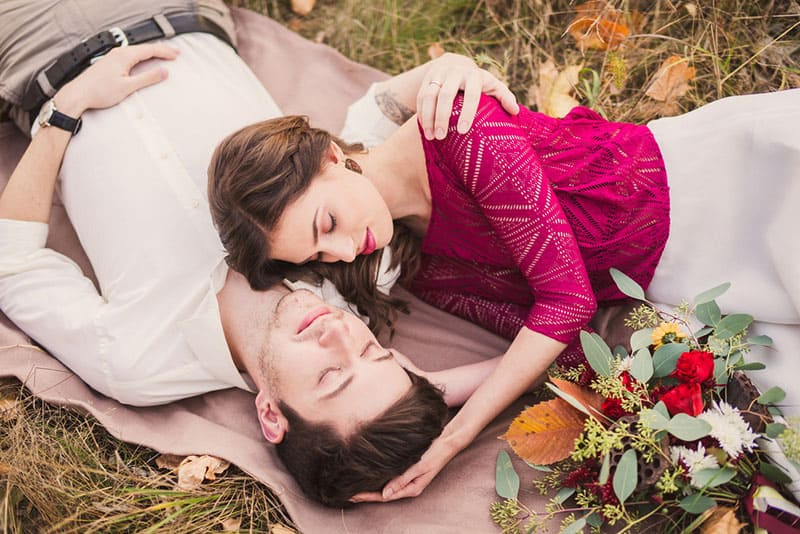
65	122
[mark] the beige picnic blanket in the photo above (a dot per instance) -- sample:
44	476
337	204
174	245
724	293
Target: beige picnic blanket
312	79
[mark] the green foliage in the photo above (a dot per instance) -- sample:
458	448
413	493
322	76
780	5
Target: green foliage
506	478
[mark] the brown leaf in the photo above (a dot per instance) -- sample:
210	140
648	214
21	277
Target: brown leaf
303	7
435	50
553	95
588	398
277	528
231	525
193	470
169	461
671	82
10	409
720	520
545	433
598	25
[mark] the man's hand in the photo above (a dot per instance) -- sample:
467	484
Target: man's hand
444	78
417	477
109	80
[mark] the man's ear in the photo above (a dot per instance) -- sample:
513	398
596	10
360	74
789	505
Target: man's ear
273	424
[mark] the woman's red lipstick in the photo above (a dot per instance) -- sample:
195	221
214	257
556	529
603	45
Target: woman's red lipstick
369	243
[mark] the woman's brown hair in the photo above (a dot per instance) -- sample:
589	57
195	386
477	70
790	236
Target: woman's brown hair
254	175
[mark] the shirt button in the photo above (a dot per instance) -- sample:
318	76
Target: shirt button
195	203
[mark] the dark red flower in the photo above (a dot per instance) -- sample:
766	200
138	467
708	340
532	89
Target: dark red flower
613	408
684	398
694	366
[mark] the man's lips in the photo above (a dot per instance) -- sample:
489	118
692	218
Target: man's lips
312	316
369	243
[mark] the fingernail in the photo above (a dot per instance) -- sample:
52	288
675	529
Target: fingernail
462	128
428	134
439	133
387	493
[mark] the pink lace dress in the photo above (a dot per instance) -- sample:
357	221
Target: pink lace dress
530	212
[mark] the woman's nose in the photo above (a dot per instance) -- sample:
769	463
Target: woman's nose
339	248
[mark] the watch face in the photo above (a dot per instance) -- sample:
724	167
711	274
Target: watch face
45	113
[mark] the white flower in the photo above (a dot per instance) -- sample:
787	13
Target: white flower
694	461
624	364
729	429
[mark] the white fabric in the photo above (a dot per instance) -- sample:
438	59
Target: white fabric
365	123
734	176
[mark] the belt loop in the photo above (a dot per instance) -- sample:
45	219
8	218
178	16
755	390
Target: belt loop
44	84
164	25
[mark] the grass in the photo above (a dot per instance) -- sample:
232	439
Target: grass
61	472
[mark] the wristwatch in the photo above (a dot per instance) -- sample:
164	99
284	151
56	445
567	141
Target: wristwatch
50	116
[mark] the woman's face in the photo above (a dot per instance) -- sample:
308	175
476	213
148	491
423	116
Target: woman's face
340	216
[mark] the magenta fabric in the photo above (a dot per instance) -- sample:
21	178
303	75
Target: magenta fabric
529	213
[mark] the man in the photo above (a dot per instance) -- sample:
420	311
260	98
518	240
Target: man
169	320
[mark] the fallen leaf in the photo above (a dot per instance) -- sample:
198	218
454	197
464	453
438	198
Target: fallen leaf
193	470
545	433
169	461
5	469
435	50
231	525
720	520
303	7
598	25
10	409
553	95
691	8
588	398
296	24
671	82
277	528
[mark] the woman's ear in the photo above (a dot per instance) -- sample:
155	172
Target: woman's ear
273	424
335	153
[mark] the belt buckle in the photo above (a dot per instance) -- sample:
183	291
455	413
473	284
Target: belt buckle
119	35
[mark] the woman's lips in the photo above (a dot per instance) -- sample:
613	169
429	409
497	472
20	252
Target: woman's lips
312	316
369	243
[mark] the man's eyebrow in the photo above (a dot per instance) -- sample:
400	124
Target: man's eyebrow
339	389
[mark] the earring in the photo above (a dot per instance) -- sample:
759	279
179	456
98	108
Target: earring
351	165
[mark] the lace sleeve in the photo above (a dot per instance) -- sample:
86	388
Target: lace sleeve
499	169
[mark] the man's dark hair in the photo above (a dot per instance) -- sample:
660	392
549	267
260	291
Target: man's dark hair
331	468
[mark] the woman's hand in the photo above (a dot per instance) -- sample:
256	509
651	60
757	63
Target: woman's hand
444	78
109	80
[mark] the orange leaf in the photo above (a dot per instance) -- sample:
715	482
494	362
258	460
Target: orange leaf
194	469
721	520
588	398
671	81
545	433
598	25
435	50
303	7
553	95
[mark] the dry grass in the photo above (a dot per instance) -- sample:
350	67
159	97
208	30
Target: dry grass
59	471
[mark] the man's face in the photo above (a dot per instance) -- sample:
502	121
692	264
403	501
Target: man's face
326	364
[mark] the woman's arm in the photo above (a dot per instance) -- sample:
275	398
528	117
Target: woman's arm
430	89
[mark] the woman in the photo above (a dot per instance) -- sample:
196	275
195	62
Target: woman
521	218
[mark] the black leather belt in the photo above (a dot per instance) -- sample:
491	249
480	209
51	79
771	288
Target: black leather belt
73	62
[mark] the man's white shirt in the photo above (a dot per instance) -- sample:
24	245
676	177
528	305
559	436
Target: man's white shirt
134	185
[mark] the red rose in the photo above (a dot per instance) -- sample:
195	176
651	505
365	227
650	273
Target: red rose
694	366
684	398
613	408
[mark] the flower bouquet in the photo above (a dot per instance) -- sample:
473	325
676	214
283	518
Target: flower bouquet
670	436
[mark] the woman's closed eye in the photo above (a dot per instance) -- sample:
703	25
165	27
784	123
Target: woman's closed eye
330	224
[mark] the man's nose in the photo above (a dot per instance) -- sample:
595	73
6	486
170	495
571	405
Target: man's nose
335	332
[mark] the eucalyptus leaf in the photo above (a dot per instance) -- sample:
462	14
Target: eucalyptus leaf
620	352
752	366
542	468
771	396
594	520
627	285
708	313
625	476
720	372
597	353
711	478
666	357
569	398
688	428
642	339
711	294
506	478
774	430
563	494
661	408
575	527
605	469
697	503
765	341
774	410
774	473
730	325
703	332
642	366
734	359
654	419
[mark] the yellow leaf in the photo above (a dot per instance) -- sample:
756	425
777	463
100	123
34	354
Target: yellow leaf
303	7
545	433
671	82
588	398
553	95
720	520
598	25
231	525
435	50
193	470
